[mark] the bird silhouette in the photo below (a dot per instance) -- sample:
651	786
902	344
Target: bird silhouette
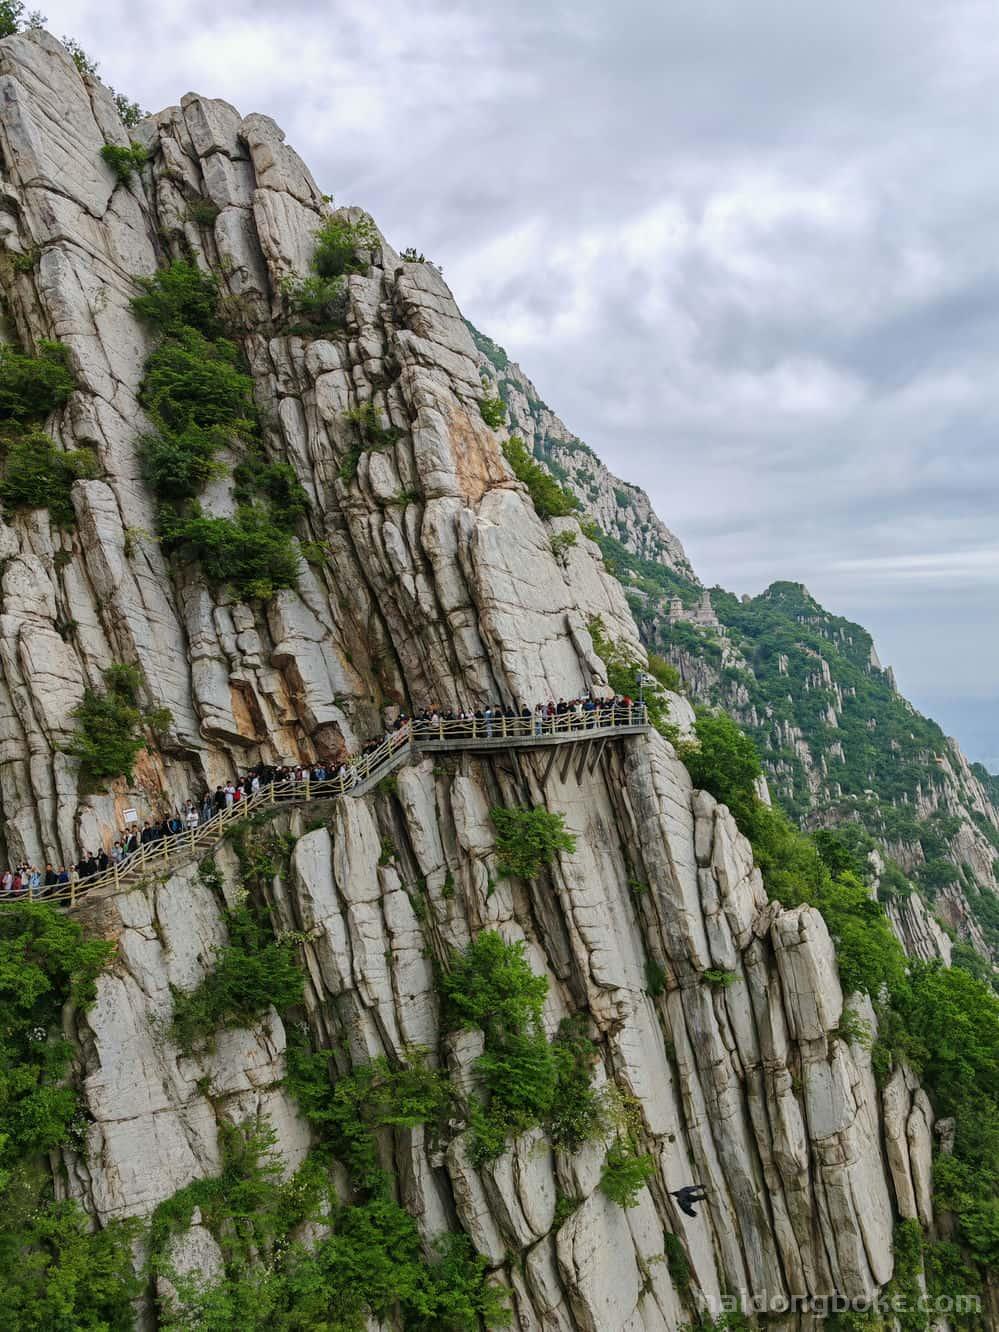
689	1194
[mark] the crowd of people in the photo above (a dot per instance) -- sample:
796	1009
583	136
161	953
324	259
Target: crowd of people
584	713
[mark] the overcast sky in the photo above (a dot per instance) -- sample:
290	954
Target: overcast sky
748	251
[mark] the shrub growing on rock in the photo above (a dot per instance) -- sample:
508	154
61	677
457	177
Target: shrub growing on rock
249	551
252	972
339	245
179	464
37	475
200	398
366	1263
203	212
550	500
194	380
321	297
124	162
526	1079
529	839
110	727
54	1270
626	1172
347	1110
373	436
493	412
33	386
177	297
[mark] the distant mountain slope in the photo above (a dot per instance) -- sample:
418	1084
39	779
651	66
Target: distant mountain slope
840	745
622	510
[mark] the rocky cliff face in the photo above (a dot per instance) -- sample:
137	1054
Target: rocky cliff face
438	585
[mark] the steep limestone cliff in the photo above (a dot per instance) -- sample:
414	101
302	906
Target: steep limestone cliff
717	1015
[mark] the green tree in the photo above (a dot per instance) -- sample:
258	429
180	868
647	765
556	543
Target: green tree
249	975
37	475
110	727
194	380
33	386
626	1172
724	761
529	839
177	297
249	551
526	1079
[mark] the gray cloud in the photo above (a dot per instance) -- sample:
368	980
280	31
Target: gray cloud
747	251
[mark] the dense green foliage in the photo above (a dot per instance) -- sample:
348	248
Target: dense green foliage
339	245
249	551
550	500
199	396
33	386
37	475
194	381
44	960
54	1272
277	484
58	1275
252	972
179	297
13	18
345	1110
529	839
526	1079
561	543
888	749
368	1264
492	351
124	162
626	1172
948	1028
724	761
110	727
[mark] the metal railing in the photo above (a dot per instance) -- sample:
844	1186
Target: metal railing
355	777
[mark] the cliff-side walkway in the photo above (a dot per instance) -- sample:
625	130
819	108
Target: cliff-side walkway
357	777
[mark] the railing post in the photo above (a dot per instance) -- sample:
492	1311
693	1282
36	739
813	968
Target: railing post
503	726
271	788
142	854
117	876
72	892
440	728
166	851
308	782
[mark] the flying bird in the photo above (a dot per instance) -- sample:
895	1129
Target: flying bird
687	1196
